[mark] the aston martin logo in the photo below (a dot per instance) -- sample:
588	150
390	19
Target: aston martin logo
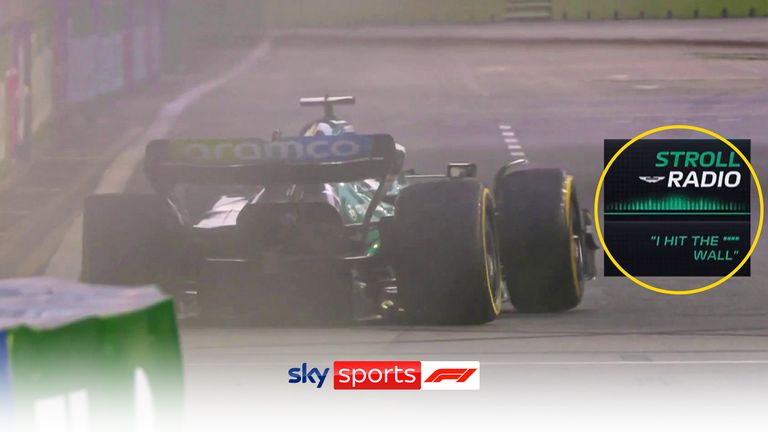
651	179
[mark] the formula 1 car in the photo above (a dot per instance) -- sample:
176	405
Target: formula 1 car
328	226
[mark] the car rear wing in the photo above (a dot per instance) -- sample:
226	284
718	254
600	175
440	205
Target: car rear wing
299	160
327	102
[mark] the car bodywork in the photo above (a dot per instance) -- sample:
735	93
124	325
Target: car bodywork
259	226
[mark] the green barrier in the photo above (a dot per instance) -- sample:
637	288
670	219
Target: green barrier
655	9
110	356
328	13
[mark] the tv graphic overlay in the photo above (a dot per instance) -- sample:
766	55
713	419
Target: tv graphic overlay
406	375
677	207
390	375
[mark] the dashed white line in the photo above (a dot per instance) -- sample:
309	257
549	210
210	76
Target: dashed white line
510	139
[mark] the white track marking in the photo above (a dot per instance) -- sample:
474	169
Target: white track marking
529	363
66	260
628	363
116	177
511	140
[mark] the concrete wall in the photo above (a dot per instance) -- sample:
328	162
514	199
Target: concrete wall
634	9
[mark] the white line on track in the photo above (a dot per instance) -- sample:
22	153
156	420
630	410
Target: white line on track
510	138
116	177
627	363
533	363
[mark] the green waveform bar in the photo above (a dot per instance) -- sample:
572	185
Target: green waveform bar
677	203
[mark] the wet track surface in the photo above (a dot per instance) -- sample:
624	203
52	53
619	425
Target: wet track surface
554	104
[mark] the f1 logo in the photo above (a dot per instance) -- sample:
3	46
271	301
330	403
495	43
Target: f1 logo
450	375
458	375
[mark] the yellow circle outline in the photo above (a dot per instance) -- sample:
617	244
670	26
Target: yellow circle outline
597	205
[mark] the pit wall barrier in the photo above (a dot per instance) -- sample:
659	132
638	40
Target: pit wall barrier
55	54
78	357
655	9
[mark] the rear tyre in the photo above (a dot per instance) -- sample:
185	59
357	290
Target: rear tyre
123	239
539	225
446	260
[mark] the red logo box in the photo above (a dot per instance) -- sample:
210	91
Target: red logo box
377	375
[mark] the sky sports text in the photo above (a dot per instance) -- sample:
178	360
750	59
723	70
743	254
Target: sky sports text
392	375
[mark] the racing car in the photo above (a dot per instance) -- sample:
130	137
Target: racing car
328	225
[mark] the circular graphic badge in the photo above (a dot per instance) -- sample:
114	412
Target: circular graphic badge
600	232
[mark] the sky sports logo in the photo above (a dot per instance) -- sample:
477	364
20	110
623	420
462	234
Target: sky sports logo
392	375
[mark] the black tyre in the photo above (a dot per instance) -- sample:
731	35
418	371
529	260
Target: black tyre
446	259
539	228
124	239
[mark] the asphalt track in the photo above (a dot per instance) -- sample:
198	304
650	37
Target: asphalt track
626	358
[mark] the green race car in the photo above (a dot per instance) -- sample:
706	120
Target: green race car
327	226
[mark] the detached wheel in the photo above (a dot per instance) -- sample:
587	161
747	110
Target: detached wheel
446	259
540	229
123	239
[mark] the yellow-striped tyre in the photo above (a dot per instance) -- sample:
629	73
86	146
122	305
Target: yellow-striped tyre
446	257
539	230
